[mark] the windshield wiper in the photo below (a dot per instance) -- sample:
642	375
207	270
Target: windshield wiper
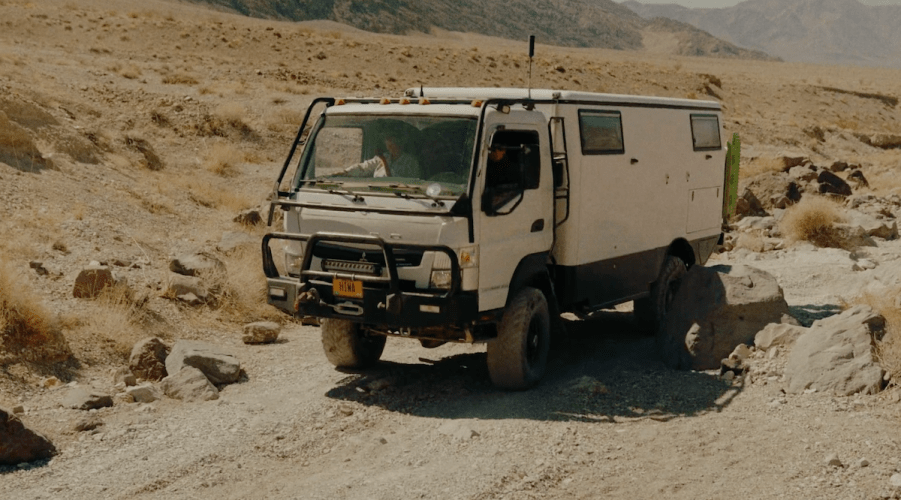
354	196
322	180
418	189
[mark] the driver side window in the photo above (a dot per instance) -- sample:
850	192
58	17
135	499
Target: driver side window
513	167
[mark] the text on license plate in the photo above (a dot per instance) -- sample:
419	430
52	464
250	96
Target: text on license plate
348	288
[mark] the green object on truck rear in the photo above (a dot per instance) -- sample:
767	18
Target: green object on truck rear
733	156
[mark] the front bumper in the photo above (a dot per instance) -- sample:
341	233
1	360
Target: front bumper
383	305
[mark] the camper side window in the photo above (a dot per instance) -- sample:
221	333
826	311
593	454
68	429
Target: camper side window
601	132
705	132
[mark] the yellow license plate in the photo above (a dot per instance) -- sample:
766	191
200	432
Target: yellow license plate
347	288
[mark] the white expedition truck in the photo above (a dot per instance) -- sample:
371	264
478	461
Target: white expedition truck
506	207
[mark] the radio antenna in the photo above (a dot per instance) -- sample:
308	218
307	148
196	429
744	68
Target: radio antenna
531	53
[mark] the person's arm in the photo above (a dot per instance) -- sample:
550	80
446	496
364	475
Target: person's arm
366	168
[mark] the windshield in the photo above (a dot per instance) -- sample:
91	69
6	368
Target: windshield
387	153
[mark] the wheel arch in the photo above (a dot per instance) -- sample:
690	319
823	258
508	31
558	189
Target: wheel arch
682	248
532	271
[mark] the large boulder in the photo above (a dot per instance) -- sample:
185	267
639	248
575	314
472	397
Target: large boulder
182	287
148	359
92	280
19	444
189	384
715	309
219	365
836	355
261	332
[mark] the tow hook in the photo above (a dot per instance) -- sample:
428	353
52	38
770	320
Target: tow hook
306	295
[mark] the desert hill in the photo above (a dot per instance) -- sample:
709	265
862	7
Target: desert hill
815	31
573	23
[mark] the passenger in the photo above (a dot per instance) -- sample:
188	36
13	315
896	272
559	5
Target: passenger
394	162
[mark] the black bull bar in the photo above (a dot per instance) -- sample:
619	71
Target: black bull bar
311	292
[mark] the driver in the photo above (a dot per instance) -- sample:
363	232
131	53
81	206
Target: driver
394	162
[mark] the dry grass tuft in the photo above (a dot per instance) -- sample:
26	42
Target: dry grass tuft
222	159
17	148
108	327
814	219
27	329
180	79
243	293
760	165
888	350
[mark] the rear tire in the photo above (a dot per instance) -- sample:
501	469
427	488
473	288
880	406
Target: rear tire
672	350
517	358
346	345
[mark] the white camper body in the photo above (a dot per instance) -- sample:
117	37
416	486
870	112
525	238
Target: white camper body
492	211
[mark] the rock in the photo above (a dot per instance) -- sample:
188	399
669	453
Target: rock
895	480
836	355
261	332
232	240
144	393
219	366
38	268
588	385
833	461
148	359
189	384
863	265
789	162
832	184
250	217
51	382
83	399
775	334
803	173
460	430
87	423
858	178
19	444
190	299
717	308
728	376
124	376
749	205
199	264
861	463
871	226
18	409
741	352
123	398
838	166
91	281
182	286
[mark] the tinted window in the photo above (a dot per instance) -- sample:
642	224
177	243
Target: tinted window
705	132
601	132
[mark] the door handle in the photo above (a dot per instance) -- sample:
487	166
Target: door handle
538	226
633	161
707	157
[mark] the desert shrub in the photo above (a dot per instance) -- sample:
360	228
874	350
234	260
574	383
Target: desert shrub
27	329
222	159
180	79
814	219
17	149
108	326
888	350
243	291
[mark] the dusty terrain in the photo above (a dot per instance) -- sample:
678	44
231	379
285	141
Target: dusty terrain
216	99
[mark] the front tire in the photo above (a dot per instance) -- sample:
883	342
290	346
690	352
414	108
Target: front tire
517	358
672	350
346	345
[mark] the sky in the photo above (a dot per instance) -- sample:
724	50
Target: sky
730	3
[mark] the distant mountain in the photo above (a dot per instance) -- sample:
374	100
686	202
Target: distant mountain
574	23
817	31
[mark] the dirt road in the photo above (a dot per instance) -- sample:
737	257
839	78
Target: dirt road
610	421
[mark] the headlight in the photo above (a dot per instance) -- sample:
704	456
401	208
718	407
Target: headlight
440	279
293	262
